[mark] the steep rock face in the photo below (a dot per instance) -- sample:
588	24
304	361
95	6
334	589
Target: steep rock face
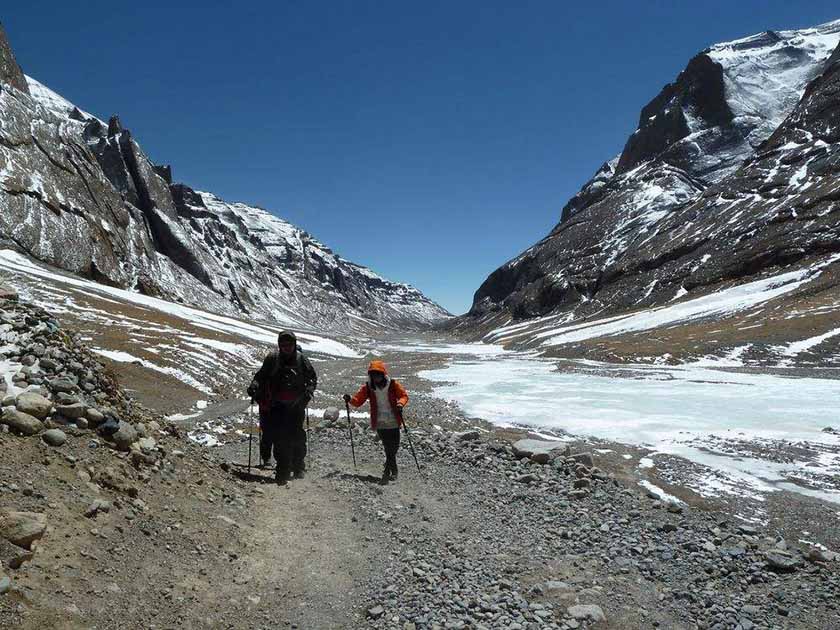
10	72
56	203
782	206
82	195
693	103
680	173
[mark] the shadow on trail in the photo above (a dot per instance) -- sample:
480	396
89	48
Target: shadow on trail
241	471
357	476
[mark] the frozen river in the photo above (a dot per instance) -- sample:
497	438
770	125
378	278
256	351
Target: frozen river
707	415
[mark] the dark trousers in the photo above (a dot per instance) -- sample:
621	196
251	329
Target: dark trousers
391	442
285	433
265	440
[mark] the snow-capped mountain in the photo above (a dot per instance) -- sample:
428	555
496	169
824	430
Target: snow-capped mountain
731	175
80	194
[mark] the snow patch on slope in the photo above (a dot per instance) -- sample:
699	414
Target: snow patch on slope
766	74
14	262
719	303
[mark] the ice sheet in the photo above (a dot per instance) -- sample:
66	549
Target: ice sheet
673	410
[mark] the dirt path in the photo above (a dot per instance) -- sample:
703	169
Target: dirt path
310	555
307	552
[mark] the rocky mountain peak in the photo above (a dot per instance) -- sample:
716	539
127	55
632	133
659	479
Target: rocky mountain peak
82	195
696	99
114	126
730	174
10	72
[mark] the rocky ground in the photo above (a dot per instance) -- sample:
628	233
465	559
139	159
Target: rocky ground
124	522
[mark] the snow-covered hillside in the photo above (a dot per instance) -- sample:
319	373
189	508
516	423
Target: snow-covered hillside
730	178
765	75
81	195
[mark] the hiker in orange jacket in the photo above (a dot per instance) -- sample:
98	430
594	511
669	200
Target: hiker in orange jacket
387	399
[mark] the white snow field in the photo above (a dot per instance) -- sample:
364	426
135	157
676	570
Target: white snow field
556	330
14	262
708	416
201	349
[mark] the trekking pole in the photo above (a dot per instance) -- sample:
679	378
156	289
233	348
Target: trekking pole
250	434
350	428
410	445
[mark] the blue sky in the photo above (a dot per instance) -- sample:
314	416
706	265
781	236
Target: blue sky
431	141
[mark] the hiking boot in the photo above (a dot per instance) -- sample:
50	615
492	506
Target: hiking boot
299	474
386	477
281	477
266	464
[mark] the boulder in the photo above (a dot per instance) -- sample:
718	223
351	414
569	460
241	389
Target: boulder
99	505
586	612
33	404
48	364
63	384
124	436
95	416
782	561
113	479
540	451
147	444
820	555
21	422
22	528
54	437
107	428
467	436
73	411
7	293
331	414
584	458
376	612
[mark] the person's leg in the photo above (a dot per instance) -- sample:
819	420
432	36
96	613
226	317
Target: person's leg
282	443
396	447
299	443
390	442
265	440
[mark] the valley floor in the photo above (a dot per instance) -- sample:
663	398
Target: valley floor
594	531
482	538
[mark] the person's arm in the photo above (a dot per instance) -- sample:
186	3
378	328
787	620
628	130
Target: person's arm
257	383
310	379
402	400
402	395
360	397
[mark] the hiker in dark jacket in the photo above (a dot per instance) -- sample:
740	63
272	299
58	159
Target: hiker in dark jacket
387	398
283	387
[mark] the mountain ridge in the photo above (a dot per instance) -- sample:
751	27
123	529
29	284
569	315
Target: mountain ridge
82	195
657	224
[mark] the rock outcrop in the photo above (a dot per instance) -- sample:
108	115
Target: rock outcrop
10	72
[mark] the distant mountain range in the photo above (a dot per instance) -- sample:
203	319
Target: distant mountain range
80	194
732	177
